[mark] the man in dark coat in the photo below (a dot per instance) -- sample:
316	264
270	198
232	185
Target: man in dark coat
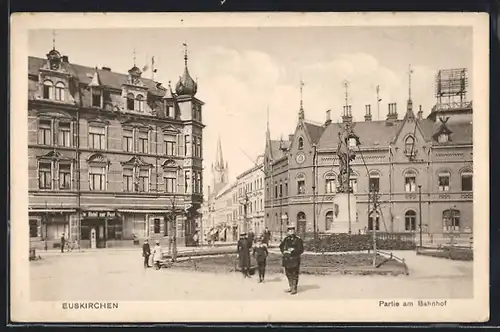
266	236
146	252
251	237
244	255
292	247
63	242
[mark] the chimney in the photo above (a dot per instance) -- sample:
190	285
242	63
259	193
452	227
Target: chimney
420	112
368	113
347	113
392	113
328	118
106	68
65	59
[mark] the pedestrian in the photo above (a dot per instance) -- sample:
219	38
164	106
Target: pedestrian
157	255
146	252
260	253
243	250
266	236
63	242
251	237
292	247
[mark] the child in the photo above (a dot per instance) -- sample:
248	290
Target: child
157	255
260	253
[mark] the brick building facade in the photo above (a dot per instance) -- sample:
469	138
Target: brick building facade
395	156
110	153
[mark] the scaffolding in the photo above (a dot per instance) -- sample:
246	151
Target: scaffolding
451	88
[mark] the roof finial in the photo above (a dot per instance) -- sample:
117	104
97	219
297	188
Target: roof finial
267	114
301	96
346	86
185	53
53	39
410	71
134	56
378	102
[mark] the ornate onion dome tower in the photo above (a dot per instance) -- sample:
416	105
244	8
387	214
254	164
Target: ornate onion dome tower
186	86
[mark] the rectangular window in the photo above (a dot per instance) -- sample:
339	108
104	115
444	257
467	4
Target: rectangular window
128	140
186	144
170	178
128	179
45	175
444	182
281	190
374	183
144	180
330	186
34	228
186	181
275	191
169	144
97	178
157	225
64	134
96	98
467	181
97	138
115	229
64	176
45	132
301	187
410	183
143	142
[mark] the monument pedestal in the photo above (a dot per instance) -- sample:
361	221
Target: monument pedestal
346	204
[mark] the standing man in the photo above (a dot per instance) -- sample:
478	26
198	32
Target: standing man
63	242
292	247
146	252
243	250
266	236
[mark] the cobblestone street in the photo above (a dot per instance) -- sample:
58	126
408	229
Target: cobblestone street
120	276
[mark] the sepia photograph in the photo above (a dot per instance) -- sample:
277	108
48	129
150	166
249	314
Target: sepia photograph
244	167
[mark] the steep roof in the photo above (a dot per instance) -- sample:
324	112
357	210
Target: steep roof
276	146
85	74
315	131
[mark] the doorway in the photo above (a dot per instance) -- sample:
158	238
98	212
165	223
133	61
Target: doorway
93	225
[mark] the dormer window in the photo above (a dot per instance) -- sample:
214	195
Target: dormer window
443	138
130	102
59	91
301	143
139	103
48	89
96	98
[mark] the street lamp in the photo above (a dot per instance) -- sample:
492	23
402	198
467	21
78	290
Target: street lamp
284	219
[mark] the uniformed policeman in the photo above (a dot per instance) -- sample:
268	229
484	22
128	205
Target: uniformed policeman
292	247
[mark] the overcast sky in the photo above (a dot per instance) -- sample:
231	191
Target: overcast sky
242	71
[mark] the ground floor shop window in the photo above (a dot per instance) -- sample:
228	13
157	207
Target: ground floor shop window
115	229
157	226
451	220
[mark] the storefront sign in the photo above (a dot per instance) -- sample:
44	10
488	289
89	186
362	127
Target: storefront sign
99	214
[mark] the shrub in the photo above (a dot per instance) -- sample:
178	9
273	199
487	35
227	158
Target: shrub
354	242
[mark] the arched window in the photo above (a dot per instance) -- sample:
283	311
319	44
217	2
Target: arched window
301	143
329	220
48	89
130	102
374	181
410	181
451	220
140	103
301	184
330	183
410	220
409	145
374	217
301	223
466	177
59	91
444	181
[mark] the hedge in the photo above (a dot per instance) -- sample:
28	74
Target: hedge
458	254
354	242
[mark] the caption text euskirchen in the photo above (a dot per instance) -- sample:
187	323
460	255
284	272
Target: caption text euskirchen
90	305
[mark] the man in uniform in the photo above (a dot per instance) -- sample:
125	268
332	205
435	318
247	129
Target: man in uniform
292	247
243	250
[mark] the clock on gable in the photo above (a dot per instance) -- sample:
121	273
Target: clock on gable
300	158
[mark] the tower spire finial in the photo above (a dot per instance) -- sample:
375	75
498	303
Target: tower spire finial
301	110
134	56
267	116
346	86
410	71
53	39
185	53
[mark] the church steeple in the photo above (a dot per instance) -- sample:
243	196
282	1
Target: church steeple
219	169
219	159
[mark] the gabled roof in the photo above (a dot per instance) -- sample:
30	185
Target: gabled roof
315	131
